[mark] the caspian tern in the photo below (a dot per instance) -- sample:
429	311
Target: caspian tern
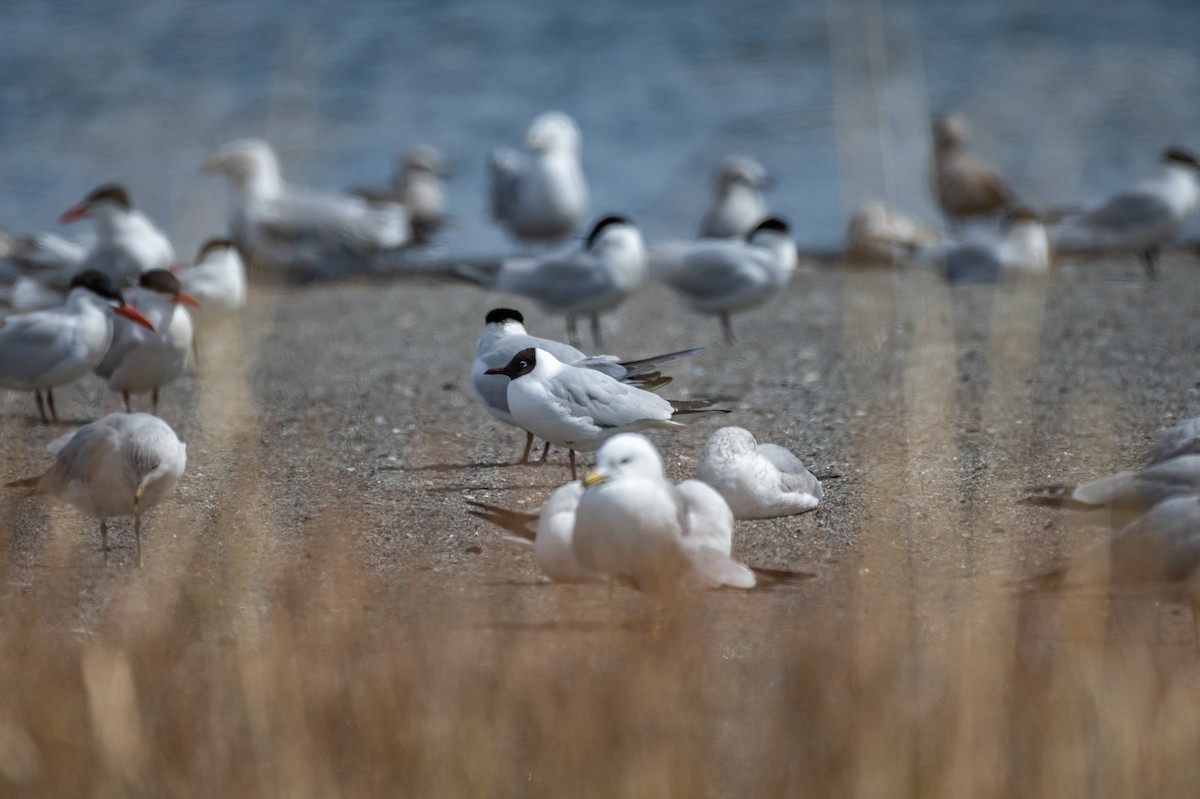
42	350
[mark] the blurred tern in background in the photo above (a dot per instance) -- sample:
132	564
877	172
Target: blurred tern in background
964	185
217	281
721	277
119	465
127	243
574	282
1141	218
759	481
141	360
299	234
504	336
738	205
42	350
1022	248
543	196
417	185
578	408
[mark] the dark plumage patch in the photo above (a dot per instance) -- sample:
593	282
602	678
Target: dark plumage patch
498	315
112	192
160	280
98	283
603	223
770	223
1181	156
211	245
521	364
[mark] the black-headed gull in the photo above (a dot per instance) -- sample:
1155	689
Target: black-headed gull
963	184
738	204
1143	217
42	350
141	360
299	234
574	282
759	481
543	196
721	277
578	408
504	336
119	465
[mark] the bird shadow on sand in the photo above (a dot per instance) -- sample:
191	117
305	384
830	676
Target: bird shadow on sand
450	467
633	626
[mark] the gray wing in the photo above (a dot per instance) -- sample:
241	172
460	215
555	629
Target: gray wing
1161	545
794	476
719	271
505	171
321	222
607	402
557	281
1179	439
83	456
31	345
1128	212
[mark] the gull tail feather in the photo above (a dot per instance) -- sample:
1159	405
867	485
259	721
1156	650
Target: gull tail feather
639	367
25	482
1055	496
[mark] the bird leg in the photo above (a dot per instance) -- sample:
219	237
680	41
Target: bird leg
104	539
545	454
137	522
596	329
572	331
528	446
125	394
1150	261
37	394
50	402
154	400
726	328
571	457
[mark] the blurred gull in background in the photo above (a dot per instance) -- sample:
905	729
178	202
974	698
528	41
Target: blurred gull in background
417	185
964	185
738	204
298	234
543	196
1021	248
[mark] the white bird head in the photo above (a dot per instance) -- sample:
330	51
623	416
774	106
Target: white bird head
950	130
525	362
732	440
612	228
426	159
743	170
213	248
626	455
553	131
245	161
98	284
163	281
1180	157
505	317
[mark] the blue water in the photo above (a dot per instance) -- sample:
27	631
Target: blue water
1071	99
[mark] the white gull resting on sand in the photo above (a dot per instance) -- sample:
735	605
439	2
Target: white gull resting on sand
633	524
1143	217
504	336
759	481
721	277
42	350
577	281
120	465
578	408
738	205
543	196
299	234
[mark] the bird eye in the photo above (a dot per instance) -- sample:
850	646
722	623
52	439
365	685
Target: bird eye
624	460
